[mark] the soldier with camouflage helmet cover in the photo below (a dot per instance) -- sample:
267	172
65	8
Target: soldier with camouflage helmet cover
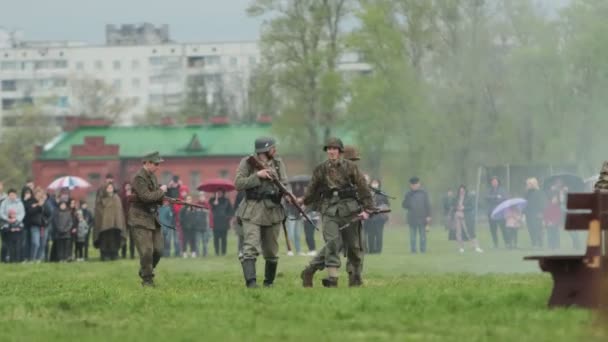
261	212
340	192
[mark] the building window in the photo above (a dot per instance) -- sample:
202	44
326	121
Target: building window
135	64
253	60
79	65
117	84
195	179
116	65
8	65
9	85
62	102
8	103
135	83
224	173
98	65
60	64
234	61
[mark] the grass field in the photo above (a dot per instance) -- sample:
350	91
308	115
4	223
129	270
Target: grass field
440	296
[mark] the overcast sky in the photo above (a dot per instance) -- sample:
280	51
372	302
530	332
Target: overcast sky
85	20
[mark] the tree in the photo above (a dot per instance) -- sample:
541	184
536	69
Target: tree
301	44
196	104
96	99
31	128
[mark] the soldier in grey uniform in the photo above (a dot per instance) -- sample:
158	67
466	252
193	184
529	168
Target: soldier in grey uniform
339	189
261	212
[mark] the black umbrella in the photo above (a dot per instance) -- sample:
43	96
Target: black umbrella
573	182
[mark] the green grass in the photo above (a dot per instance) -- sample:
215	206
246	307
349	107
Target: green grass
441	296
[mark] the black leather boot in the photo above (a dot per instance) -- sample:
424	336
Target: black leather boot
330	282
249	273
270	273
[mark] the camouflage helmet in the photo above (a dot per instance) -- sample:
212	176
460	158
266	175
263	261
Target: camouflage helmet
351	153
264	144
334	142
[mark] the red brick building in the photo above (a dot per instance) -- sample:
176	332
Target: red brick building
90	150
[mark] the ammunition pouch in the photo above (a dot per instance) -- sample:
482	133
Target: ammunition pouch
344	193
260	196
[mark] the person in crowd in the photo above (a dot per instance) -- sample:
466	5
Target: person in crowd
553	220
174	187
222	212
74	207
52	205
418	207
183	191
62	228
124	198
88	216
27	195
309	231
446	202
29	185
167	225
13	202
495	196
238	225
81	235
513	222
36	217
204	234
534	212
110	228
294	221
462	209
13	228
4	247
374	227
47	228
188	218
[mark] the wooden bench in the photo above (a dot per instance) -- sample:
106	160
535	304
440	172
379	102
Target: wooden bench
578	279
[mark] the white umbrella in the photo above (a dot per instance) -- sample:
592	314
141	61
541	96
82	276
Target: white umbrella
70	182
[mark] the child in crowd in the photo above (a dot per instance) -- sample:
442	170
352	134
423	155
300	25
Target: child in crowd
81	235
13	229
513	221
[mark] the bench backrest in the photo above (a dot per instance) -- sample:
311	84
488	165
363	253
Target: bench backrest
589	211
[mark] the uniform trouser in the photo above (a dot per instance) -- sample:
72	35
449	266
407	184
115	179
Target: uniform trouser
262	240
348	238
149	245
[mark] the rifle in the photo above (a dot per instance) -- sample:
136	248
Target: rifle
180	202
381	193
255	163
374	212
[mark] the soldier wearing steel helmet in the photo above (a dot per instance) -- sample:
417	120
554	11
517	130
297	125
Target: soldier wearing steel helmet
341	193
261	211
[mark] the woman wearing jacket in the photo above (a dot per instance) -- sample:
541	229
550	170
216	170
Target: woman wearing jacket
37	217
462	209
110	228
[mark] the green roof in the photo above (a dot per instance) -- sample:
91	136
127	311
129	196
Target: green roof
170	141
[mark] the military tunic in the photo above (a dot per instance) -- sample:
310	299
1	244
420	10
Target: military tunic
145	227
330	180
260	215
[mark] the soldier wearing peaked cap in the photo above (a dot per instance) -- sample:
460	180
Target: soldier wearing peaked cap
339	189
145	228
261	212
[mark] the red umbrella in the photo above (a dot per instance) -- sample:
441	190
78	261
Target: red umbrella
217	184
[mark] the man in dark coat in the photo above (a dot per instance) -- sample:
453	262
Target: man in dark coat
495	196
418	207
